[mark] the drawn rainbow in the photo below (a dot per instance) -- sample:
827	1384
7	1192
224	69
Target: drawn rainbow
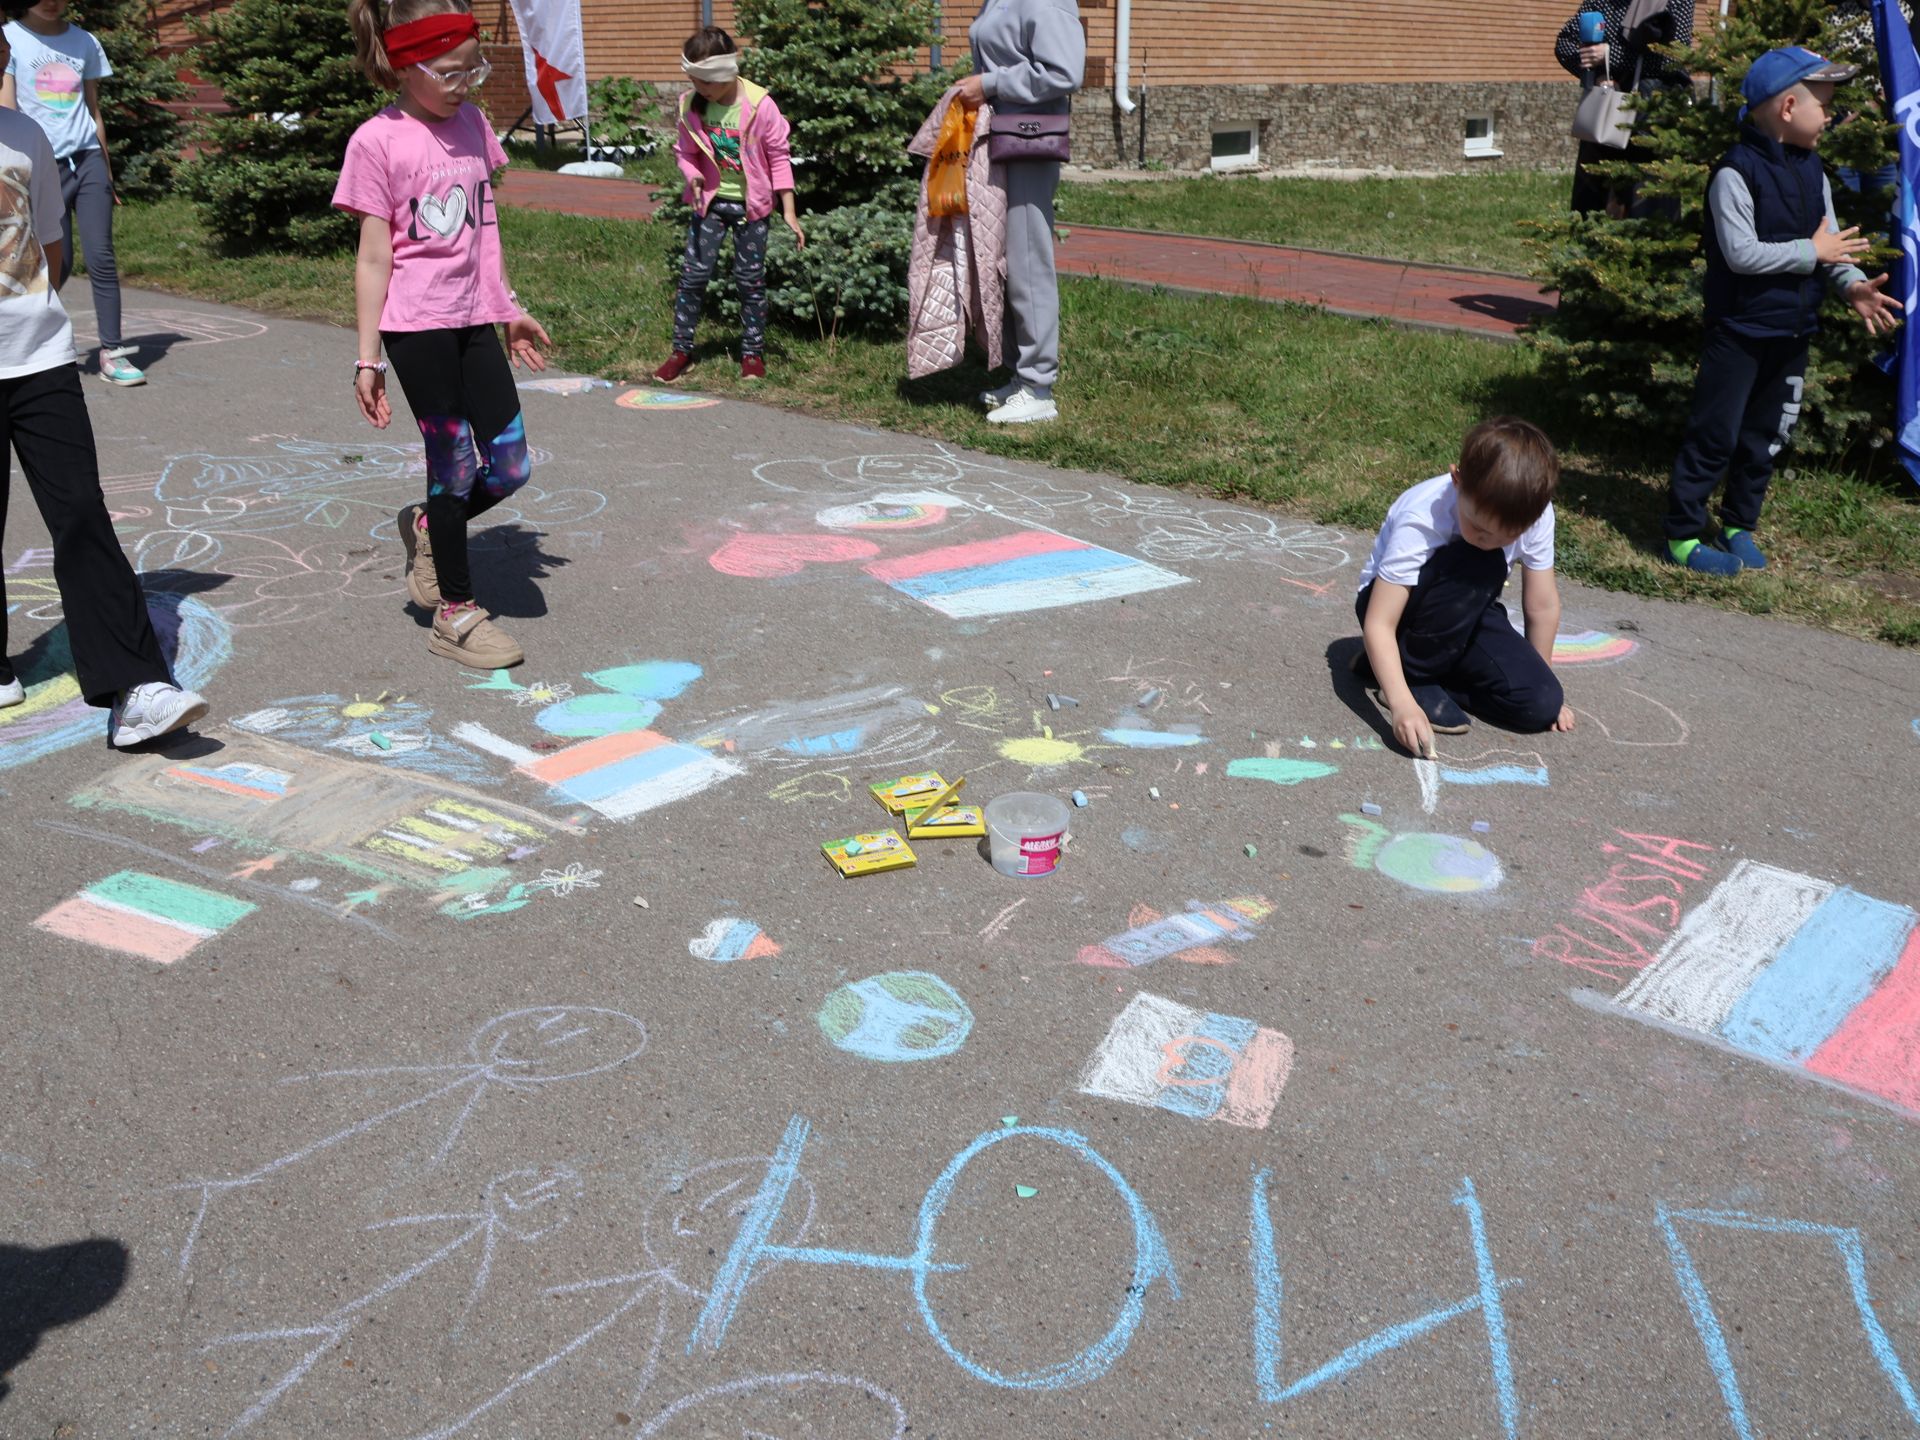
1591	647
145	915
1028	570
1797	972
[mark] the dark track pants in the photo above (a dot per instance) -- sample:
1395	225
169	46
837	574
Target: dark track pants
1455	634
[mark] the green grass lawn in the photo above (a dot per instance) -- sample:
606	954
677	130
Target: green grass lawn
1467	220
1327	417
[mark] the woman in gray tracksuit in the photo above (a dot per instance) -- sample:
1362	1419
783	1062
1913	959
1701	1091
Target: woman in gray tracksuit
1028	59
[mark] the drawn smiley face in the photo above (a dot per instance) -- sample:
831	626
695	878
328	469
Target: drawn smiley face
556	1042
690	1224
530	1204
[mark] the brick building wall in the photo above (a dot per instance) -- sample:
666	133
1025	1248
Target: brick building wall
1360	83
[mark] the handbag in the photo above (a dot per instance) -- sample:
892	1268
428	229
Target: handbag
1028	137
1605	116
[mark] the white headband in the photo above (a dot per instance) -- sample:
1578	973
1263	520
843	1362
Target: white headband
714	71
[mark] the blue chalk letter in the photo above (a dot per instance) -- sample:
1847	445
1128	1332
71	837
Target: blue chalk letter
1267	1287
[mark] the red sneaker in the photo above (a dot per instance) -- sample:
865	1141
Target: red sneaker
673	366
752	367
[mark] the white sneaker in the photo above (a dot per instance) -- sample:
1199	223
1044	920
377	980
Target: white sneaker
146	712
995	398
12	693
117	371
1023	407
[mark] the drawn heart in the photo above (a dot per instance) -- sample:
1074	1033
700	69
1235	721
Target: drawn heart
443	217
730	938
762	557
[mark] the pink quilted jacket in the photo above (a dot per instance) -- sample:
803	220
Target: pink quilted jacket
957	273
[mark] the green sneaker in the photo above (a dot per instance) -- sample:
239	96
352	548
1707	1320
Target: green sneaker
118	370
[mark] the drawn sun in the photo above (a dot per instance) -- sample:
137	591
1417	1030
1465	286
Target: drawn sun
359	709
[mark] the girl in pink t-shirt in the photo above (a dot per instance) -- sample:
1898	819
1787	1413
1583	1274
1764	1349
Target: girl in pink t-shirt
431	285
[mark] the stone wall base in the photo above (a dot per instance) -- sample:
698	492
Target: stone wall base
1398	127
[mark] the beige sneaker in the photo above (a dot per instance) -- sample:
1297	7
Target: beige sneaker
464	633
423	580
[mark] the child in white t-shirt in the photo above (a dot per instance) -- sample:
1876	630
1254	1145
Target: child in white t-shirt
1439	642
117	659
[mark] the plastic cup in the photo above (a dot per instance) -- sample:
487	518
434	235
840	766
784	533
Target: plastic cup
1024	833
1593	27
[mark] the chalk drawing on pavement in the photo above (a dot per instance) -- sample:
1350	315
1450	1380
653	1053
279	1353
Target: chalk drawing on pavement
1207	1066
1621	920
900	1016
149	916
1798	972
731	938
518	1051
1422	860
1194	936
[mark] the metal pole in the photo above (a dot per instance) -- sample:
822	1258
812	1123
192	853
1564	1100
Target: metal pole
934	54
706	13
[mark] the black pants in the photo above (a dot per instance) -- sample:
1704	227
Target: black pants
1745	403
461	391
1455	634
44	419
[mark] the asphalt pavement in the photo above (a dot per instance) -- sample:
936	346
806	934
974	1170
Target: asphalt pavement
410	1052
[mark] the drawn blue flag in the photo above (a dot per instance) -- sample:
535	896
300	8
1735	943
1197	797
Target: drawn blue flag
1900	73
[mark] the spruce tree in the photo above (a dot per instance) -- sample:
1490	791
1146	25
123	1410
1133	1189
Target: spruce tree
839	70
265	176
1625	340
143	138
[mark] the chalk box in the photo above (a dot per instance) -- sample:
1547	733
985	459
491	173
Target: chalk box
956	822
896	795
873	852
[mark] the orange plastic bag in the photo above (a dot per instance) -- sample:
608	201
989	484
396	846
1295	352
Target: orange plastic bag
947	170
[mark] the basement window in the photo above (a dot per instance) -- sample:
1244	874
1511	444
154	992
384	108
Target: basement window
1481	143
1235	146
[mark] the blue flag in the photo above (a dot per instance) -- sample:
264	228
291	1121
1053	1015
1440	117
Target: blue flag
1900	73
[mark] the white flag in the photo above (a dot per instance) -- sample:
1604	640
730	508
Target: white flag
555	50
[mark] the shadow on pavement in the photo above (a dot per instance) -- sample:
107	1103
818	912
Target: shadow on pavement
41	1290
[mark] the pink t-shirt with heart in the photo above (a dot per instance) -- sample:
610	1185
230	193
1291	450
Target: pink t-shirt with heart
433	180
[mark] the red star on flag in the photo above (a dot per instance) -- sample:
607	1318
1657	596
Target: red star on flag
547	78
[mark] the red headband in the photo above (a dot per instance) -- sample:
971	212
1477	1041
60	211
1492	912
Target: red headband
430	36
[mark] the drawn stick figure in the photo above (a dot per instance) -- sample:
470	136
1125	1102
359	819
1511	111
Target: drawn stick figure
527	1205
520	1050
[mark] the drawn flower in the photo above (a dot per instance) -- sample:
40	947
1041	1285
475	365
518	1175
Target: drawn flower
565	882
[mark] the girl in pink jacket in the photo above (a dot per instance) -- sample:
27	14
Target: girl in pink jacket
732	147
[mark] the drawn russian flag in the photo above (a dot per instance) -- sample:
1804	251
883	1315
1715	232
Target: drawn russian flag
1796	971
619	775
1028	570
146	915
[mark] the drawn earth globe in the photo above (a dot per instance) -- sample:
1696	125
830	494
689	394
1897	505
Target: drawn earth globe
1443	864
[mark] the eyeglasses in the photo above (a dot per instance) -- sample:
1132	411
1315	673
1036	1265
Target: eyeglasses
454	79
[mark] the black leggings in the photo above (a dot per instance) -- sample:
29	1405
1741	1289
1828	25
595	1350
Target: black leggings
44	418
460	388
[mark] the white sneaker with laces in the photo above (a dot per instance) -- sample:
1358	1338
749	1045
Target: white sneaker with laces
993	399
12	693
146	712
1023	407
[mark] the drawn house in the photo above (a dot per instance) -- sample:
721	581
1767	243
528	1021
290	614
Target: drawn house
1226	83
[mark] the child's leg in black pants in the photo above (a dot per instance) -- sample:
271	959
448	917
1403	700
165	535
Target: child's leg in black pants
460	388
44	418
1745	403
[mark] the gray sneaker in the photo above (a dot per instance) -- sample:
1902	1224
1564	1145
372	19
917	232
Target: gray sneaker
467	634
146	712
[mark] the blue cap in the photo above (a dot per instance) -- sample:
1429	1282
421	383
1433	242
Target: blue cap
1780	70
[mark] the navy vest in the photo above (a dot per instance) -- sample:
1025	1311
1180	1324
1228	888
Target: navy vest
1789	200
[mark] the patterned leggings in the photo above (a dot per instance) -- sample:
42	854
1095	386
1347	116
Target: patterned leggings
460	387
749	274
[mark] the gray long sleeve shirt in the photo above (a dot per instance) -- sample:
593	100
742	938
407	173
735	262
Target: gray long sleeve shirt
1730	203
1030	55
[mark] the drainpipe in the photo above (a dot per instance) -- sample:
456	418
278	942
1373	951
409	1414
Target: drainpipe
934	56
1122	44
